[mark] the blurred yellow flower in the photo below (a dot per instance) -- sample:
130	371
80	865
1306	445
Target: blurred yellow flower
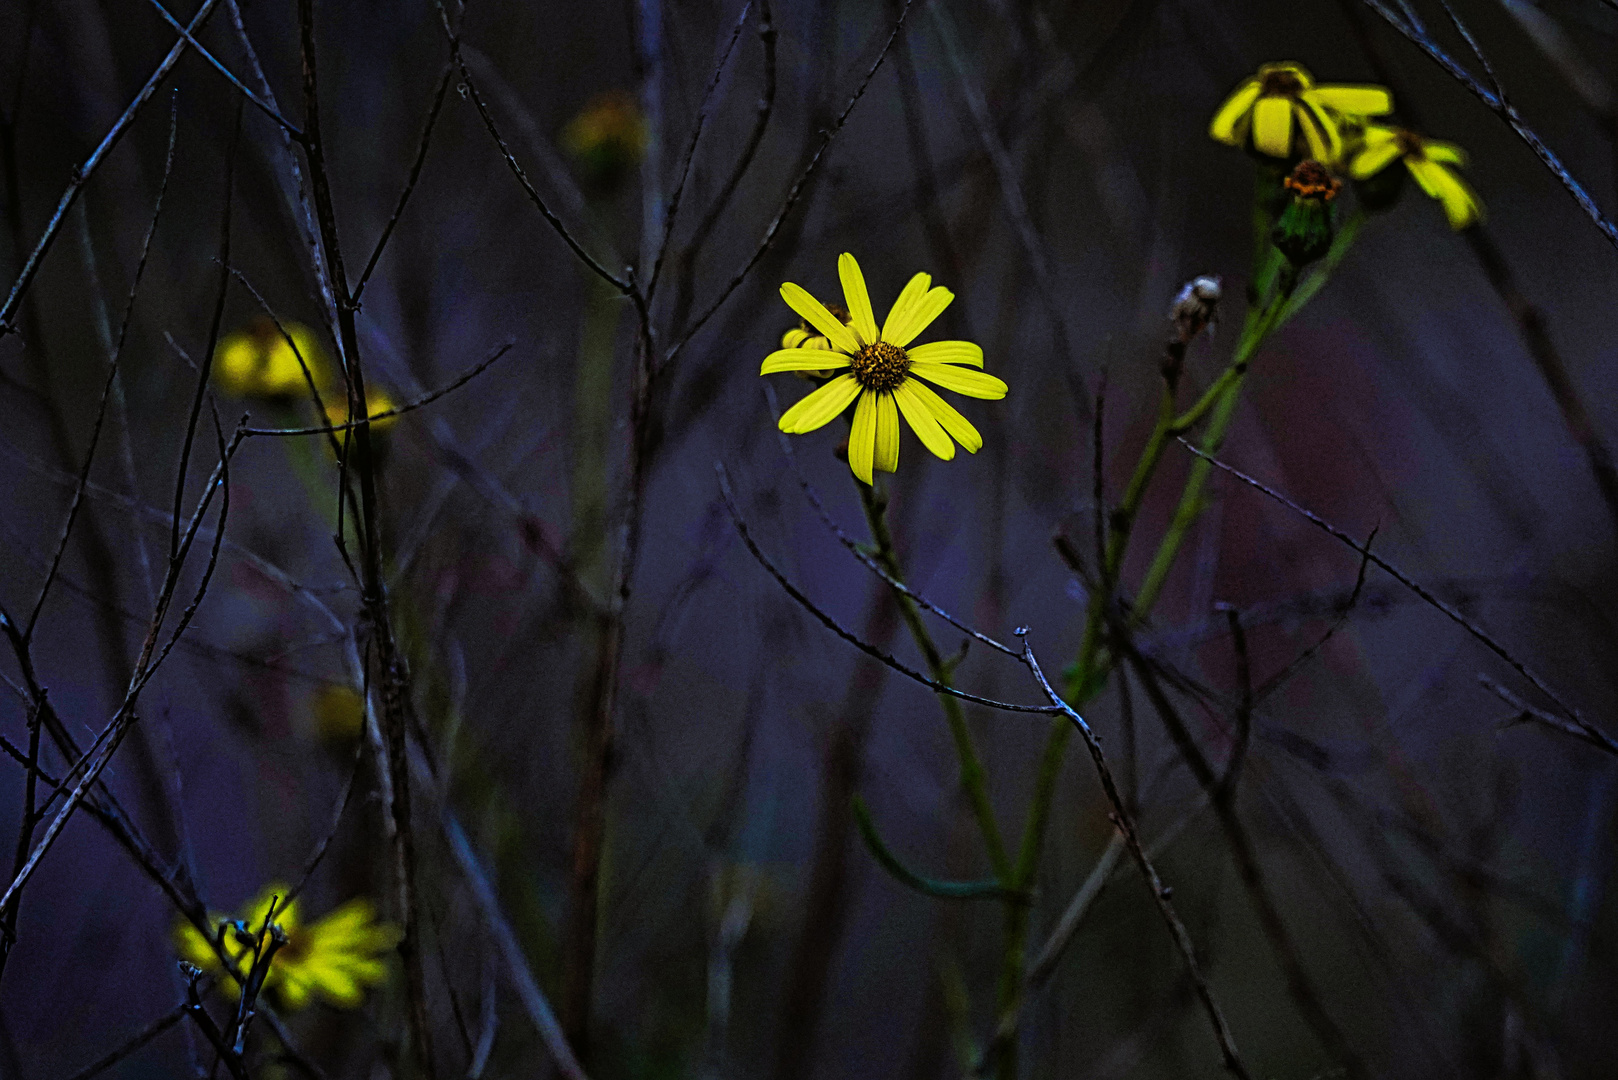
1431	162
339	714
880	384
1282	101
377	399
607	137
257	362
334	958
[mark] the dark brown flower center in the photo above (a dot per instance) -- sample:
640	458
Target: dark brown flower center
1310	180
1409	144
1281	84
880	366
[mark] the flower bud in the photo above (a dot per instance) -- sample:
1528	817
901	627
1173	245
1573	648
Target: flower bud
1303	233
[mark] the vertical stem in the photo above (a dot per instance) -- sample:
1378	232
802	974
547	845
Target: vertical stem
392	670
974	780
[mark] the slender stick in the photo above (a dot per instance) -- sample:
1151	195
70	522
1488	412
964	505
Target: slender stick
82	174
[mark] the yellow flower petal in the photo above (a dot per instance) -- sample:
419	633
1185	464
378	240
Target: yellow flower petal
958	426
886	457
815	313
961	380
1356	100
1373	159
922	421
1428	175
862	439
820	407
802	360
858	300
948	352
1460	203
794	338
1272	126
921	314
1319	132
1229	123
1444	153
899	314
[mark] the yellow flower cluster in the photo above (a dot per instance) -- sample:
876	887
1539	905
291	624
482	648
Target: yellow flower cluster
1283	113
258	361
334	958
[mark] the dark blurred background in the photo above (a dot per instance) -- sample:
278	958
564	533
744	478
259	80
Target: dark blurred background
1446	875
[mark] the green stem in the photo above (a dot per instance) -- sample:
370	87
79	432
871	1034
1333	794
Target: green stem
1222	413
974	781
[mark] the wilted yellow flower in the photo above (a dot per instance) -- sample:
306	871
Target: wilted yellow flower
880	385
257	362
1431	162
607	137
334	958
1282	101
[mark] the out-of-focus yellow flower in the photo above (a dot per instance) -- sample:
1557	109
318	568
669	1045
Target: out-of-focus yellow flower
334	958
339	714
378	400
883	380
1434	164
257	362
607	138
1282	102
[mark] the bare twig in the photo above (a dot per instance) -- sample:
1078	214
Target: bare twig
82	174
1497	103
410	182
399	410
1593	735
1160	892
672	210
793	194
853	639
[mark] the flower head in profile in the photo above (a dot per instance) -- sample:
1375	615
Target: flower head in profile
334	958
884	373
1434	165
1281	107
257	361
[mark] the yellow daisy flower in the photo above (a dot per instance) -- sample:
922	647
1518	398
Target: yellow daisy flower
334	958
257	362
1431	162
1282	101
880	384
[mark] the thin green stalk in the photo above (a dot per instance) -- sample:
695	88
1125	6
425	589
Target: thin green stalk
1222	413
973	778
974	782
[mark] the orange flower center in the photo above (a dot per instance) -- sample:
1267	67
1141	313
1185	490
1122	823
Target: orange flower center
880	366
1310	180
